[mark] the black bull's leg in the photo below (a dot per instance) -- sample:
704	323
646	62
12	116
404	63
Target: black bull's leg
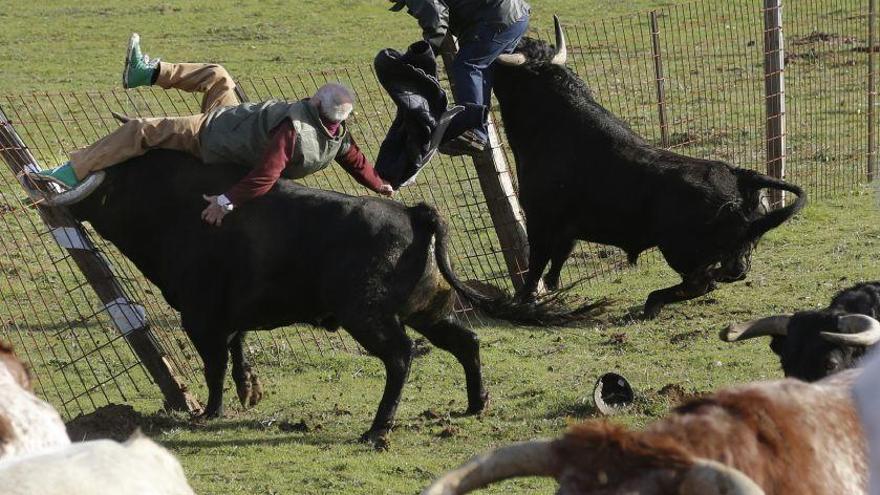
386	340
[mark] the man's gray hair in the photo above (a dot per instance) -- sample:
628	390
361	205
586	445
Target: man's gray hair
336	101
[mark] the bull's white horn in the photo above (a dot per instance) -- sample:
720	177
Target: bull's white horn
862	330
708	477
561	51
513	59
519	459
80	192
771	325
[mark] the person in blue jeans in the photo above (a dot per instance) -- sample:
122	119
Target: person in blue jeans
485	29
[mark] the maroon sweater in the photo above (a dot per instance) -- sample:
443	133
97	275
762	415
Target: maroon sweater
278	153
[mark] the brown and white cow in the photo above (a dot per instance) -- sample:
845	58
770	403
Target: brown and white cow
776	438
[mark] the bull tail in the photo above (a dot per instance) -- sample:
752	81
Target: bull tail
549	312
775	218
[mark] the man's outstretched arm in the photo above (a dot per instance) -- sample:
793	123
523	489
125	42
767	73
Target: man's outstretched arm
358	166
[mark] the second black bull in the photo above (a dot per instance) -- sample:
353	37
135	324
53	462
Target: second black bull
584	174
295	255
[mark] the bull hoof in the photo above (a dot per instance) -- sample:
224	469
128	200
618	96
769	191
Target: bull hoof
525	298
651	311
205	416
480	406
249	388
551	285
377	439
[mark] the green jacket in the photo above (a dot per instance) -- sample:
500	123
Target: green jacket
241	133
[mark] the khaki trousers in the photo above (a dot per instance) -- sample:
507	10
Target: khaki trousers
137	136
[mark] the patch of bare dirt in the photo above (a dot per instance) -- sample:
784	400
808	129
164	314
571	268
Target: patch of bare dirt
113	421
676	394
823	37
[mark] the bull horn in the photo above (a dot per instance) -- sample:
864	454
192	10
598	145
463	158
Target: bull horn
709	477
78	193
512	59
561	51
519	459
862	331
120	117
771	325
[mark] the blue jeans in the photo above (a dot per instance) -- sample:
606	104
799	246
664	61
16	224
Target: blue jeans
472	71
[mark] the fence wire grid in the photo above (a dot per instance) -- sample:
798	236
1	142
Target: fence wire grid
688	77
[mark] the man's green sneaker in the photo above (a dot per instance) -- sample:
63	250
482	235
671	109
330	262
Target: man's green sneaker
139	68
63	175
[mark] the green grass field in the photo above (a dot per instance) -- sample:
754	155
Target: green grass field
302	438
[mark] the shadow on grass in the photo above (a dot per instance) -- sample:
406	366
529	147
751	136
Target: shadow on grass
316	439
579	409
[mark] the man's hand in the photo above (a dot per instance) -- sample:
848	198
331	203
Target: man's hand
386	190
213	213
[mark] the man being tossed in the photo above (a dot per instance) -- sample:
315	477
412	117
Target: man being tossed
274	138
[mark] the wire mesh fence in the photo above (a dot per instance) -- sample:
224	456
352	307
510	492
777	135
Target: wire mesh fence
689	77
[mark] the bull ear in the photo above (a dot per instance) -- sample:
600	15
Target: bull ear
708	477
771	325
860	330
561	50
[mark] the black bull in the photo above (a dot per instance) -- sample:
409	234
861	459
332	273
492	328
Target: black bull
295	255
584	174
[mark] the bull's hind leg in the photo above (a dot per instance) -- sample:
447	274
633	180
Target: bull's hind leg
539	256
689	288
247	383
465	346
557	259
387	340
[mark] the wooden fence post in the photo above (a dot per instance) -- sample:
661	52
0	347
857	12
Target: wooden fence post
128	318
660	81
872	87
774	93
497	186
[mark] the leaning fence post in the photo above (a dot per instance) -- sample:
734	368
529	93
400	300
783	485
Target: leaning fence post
659	80
774	93
872	87
497	186
128	318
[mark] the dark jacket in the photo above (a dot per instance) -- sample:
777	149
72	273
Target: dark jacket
461	17
411	81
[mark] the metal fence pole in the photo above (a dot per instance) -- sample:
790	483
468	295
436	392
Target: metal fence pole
659	80
872	87
774	93
497	186
124	314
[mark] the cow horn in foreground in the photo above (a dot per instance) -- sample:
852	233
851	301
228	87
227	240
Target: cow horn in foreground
537	458
771	325
533	458
77	194
864	331
709	477
561	51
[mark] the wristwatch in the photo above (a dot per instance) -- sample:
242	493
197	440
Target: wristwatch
224	203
